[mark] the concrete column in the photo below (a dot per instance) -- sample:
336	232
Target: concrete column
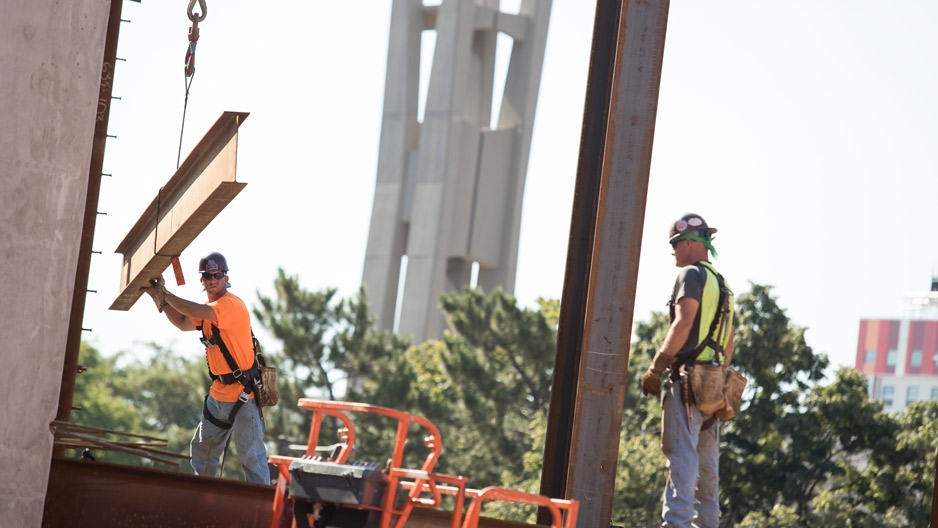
390	216
449	189
51	57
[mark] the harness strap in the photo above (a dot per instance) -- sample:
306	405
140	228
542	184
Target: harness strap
249	379
226	379
217	421
239	375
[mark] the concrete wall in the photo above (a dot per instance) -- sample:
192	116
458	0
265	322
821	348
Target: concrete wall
51	54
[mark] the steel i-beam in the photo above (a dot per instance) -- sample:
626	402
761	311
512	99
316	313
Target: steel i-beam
201	187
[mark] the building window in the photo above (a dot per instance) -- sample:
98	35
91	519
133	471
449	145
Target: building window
891	358
935	360
870	357
911	394
888	391
934	393
915	360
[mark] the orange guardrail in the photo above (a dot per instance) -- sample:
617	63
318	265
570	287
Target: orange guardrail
556	507
423	487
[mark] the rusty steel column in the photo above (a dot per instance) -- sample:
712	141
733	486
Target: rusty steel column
73	343
579	250
617	237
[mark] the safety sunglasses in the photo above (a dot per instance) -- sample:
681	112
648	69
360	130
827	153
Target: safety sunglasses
213	276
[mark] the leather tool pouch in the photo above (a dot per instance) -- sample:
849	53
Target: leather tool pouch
706	380
267	393
733	386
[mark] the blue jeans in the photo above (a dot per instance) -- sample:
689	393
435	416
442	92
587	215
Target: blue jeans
247	433
692	495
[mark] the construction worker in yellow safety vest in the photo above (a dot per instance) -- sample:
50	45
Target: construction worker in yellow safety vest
699	340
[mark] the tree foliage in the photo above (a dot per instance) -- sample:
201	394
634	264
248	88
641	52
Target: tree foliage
800	452
763	463
159	396
329	348
803	451
485	384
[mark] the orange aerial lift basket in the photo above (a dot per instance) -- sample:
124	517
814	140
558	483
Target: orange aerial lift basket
327	490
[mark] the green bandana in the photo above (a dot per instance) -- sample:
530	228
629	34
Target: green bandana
698	238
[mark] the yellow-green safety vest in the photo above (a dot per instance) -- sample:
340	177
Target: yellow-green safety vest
716	334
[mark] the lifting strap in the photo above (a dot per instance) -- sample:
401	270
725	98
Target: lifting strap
250	380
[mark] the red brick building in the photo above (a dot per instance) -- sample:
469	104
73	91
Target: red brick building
900	360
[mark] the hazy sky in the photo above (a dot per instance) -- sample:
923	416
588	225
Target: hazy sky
806	131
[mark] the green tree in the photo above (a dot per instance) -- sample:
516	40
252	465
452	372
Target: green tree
310	363
500	358
159	396
306	323
99	406
897	483
840	428
167	389
758	467
485	385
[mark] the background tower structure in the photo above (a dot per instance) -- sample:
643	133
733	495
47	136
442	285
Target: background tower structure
449	188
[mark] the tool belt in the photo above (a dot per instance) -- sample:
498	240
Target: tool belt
714	389
267	393
260	380
706	380
733	385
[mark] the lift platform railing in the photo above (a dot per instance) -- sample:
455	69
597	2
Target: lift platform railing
423	487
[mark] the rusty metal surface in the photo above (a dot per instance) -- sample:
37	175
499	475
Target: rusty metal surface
198	191
73	343
607	323
579	251
100	495
85	494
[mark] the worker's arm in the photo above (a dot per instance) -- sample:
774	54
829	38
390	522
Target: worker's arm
179	310
178	320
685	310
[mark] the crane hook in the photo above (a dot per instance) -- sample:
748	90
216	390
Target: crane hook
194	17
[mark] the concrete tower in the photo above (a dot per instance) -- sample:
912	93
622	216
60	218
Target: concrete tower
449	189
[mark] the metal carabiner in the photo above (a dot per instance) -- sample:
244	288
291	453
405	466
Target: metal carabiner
192	16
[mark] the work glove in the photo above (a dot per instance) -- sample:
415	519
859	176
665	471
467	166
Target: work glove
157	292
651	380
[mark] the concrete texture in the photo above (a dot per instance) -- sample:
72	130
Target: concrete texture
51	60
449	189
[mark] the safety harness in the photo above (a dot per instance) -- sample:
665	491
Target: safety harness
250	379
